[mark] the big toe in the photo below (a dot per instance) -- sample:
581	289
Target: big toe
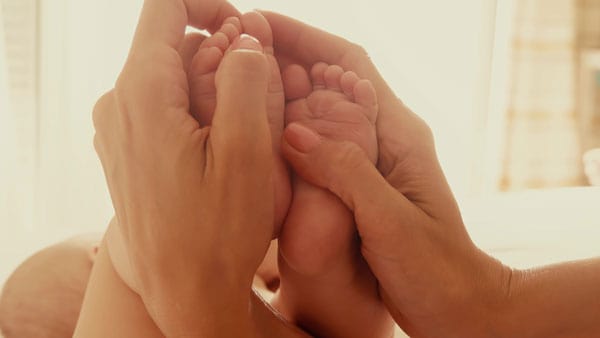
256	24
296	82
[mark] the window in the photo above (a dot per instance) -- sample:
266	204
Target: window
549	111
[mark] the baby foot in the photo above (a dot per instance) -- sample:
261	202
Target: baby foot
340	106
203	92
326	287
204	68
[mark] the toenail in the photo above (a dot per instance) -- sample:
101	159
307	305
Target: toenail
247	42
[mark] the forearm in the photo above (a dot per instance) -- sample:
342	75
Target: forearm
556	301
191	313
182	310
110	308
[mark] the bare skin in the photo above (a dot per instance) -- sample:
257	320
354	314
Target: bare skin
435	284
204	73
43	296
326	287
432	277
163	169
113	309
203	69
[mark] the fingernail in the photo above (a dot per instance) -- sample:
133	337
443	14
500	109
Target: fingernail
247	42
301	138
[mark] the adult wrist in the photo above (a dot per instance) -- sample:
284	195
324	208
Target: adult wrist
554	301
203	315
499	300
484	309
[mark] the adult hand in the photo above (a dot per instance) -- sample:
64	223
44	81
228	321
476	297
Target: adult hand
183	206
432	277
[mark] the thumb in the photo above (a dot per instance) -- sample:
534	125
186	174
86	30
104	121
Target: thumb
341	167
384	217
240	121
240	152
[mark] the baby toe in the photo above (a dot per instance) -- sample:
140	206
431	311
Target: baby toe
206	60
235	21
219	40
296	82
317	75
333	75
230	31
256	25
366	96
348	81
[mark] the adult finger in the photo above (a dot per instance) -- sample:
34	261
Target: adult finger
210	14
402	135
164	21
153	80
345	170
307	45
297	42
420	259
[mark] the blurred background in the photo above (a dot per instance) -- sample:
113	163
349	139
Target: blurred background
511	89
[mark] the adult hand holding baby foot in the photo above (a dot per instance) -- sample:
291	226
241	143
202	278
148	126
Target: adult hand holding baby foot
411	231
182	203
197	205
183	206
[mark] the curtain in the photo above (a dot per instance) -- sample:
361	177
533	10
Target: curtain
7	125
18	111
589	43
543	142
3	70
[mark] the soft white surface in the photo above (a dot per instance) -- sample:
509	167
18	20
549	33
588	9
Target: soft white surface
538	227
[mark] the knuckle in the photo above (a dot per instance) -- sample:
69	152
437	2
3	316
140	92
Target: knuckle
97	144
358	53
161	73
103	106
420	131
359	50
426	131
129	86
